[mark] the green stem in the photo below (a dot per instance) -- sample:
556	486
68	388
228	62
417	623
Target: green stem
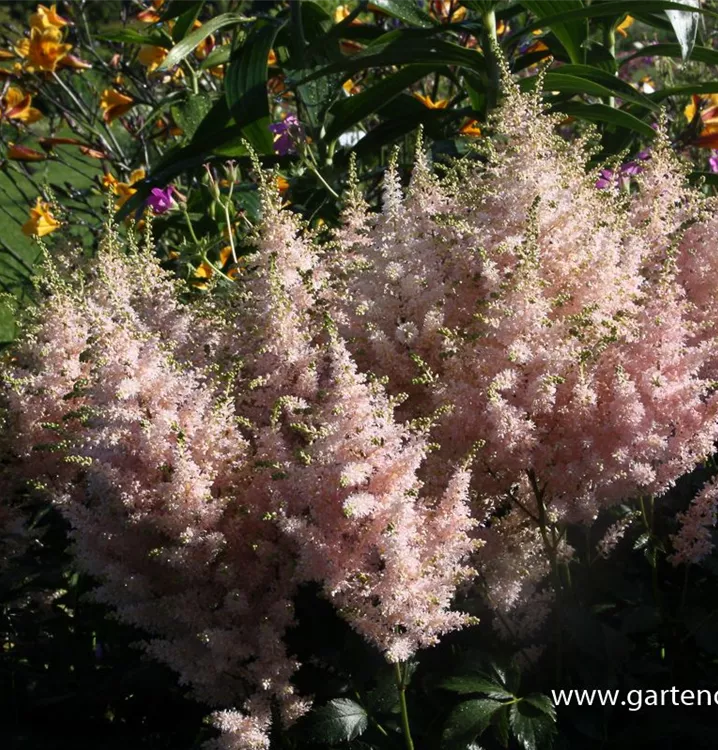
490	46
401	686
190	227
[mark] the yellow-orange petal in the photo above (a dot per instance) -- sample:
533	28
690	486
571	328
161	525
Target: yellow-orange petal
41	221
47	18
428	102
471	128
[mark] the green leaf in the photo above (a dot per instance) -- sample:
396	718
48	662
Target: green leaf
246	87
185	21
196	37
570	84
468	721
341	720
700	54
571	33
178	7
687	90
532	728
543	703
685	26
500	723
407	11
608	80
475	683
400	47
218	56
190	114
611	9
606	114
355	108
129	36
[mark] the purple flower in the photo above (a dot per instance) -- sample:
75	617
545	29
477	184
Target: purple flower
283	132
605	179
713	161
160	199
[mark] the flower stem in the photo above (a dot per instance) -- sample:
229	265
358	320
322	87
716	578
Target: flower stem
401	686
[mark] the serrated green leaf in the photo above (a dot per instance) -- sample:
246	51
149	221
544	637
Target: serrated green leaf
475	683
468	721
246	87
196	37
543	703
533	729
500	723
341	720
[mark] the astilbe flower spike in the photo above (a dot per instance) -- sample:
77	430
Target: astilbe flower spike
161	436
555	320
499	352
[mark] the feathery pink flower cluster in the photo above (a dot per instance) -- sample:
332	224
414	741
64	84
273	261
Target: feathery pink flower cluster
568	332
496	354
207	475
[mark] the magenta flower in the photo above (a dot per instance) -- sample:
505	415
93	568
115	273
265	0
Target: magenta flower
713	161
160	199
283	134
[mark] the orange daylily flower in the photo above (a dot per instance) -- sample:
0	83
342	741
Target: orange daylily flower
41	221
427	101
151	56
282	184
341	12
624	26
23	153
350	87
123	190
272	58
471	128
707	108
47	18
43	50
538	46
15	105
149	16
205	46
115	104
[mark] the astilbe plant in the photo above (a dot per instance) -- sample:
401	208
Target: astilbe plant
207	471
565	332
501	352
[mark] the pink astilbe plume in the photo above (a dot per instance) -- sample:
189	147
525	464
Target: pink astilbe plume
552	317
387	557
207	474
